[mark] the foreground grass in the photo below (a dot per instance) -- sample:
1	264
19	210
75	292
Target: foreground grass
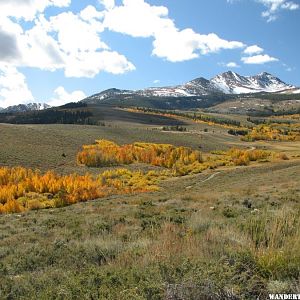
239	240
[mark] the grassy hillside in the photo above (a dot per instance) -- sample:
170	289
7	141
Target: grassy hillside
226	233
48	143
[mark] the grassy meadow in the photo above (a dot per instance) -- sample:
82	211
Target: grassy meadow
231	232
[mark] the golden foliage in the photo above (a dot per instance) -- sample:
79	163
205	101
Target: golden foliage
107	153
243	157
273	132
179	160
24	189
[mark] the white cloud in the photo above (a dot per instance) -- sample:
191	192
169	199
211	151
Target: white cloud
139	19
176	46
251	50
90	13
255	56
51	45
258	59
27	9
39	49
13	87
61	96
232	65
156	81
86	54
86	37
108	4
290	6
211	43
274	7
9	33
89	64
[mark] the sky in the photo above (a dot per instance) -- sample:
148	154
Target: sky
58	51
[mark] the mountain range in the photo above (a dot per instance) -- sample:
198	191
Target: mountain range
199	92
225	83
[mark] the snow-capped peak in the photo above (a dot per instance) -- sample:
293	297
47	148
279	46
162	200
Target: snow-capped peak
233	83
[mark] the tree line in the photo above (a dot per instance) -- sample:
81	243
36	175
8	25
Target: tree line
49	116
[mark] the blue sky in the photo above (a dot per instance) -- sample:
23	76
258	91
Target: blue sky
57	51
